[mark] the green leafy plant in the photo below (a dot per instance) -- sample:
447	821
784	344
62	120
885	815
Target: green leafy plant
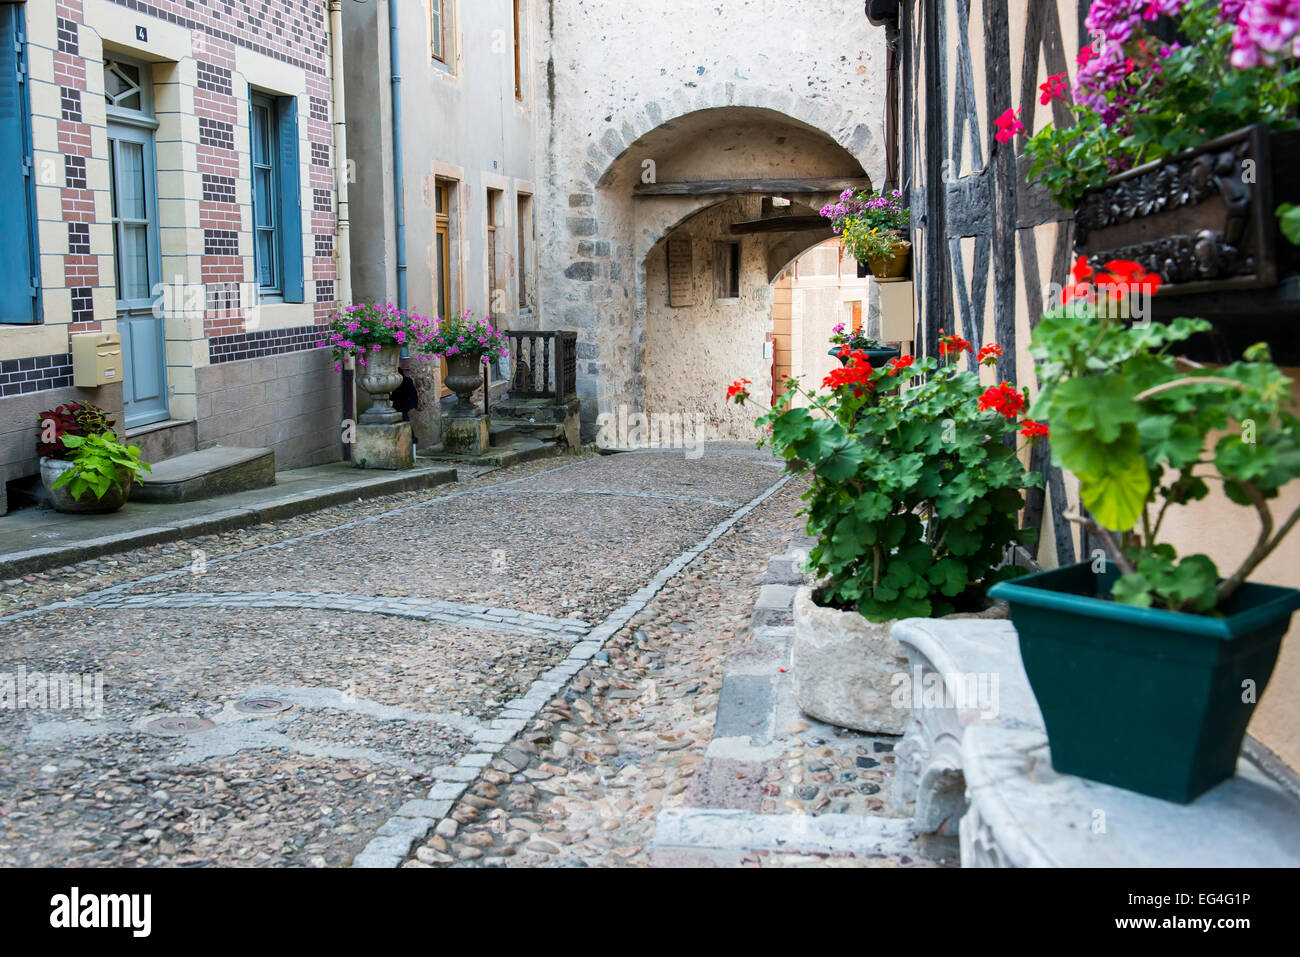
367	327
99	463
841	335
1136	99
71	418
1288	218
1134	424
465	335
914	492
870	243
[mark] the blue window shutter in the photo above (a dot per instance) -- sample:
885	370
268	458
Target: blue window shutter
290	200
19	287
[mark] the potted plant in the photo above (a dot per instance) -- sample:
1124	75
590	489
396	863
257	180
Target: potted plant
845	342
871	225
1177	153
80	454
1147	665
375	335
467	343
913	500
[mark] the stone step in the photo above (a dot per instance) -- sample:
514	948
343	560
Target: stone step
207	473
159	441
501	434
548	431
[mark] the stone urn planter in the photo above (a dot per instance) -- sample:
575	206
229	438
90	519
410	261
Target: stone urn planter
1144	699
464	375
380	377
1194	219
844	666
62	501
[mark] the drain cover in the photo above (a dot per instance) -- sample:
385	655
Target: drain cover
262	706
179	724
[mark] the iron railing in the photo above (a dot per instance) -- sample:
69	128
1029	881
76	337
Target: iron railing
546	364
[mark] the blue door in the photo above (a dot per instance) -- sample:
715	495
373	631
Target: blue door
136	258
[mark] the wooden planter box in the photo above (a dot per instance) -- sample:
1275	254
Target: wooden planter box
1204	221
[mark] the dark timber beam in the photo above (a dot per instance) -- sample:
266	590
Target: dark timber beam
777	187
778	224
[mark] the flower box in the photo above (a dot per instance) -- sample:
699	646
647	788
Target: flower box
1203	220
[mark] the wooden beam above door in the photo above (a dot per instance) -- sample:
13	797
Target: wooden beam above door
725	187
779	224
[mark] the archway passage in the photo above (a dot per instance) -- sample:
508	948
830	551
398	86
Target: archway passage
717	204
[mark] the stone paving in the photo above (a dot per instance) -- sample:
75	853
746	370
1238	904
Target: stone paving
317	691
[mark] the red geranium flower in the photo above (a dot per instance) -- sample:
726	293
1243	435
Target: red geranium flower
1033	430
1086	54
989	354
1004	399
953	345
856	375
738	391
1008	125
898	365
1053	89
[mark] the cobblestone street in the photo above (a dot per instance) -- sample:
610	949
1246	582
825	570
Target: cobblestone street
301	691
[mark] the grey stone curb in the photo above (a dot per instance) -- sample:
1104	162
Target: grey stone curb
423	609
33	560
385	850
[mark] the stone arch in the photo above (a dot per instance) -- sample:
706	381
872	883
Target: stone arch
846	128
732	130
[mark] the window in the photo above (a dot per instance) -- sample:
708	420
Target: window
493	217
726	270
20	299
853	315
277	210
266	241
442	224
438	29
525	228
519	77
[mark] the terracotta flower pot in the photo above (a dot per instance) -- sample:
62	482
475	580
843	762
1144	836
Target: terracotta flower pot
892	265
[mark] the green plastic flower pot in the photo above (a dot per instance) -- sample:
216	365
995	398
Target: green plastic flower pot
1148	700
877	357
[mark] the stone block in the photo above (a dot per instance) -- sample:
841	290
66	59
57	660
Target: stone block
465	435
383	446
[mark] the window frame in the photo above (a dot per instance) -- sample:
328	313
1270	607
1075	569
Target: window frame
438	30
274	291
721	291
524	225
493	264
519	75
16	41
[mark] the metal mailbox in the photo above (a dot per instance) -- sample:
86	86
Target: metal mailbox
96	359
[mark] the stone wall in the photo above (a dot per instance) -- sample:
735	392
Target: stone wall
670	92
290	403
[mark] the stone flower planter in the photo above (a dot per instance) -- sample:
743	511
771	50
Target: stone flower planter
464	376
1195	219
61	499
844	666
379	377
